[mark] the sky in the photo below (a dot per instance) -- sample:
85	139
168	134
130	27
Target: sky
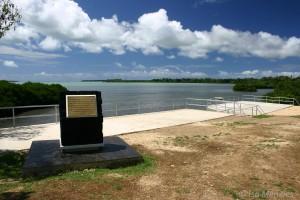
64	40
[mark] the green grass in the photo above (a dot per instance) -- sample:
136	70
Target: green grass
262	116
232	193
240	123
94	174
11	163
7	186
183	191
180	141
285	188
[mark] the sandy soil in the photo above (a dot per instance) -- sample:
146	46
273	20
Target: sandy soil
228	158
291	111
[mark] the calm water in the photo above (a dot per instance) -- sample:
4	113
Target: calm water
130	94
132	98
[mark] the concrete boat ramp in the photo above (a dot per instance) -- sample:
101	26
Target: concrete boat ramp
21	137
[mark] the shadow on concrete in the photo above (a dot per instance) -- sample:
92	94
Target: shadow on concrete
20	133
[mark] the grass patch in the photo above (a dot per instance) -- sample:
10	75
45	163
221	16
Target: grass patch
262	116
285	188
240	123
297	116
262	146
219	124
180	141
221	134
218	134
200	137
7	186
232	193
183	191
94	174
254	178
11	163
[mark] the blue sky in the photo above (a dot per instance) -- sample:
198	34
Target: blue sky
62	40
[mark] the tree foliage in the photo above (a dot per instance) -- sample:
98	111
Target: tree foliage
29	93
287	88
9	16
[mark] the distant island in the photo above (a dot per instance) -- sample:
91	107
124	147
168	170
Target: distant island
166	80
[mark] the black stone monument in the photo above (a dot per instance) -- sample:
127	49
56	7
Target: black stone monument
81	120
81	145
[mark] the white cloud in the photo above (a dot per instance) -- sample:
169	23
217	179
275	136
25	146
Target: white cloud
171	57
293	74
137	66
10	63
27	54
50	44
250	72
62	76
154	73
256	74
219	59
41	74
46	23
119	64
223	74
167	71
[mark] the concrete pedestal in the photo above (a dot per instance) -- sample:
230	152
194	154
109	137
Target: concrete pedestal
46	157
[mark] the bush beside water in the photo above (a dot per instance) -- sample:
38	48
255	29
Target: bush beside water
282	86
12	94
248	87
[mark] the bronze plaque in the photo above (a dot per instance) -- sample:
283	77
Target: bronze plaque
81	106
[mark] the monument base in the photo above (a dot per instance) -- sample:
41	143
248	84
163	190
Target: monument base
46	157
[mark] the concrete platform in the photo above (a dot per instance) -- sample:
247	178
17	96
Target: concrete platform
46	158
245	107
21	137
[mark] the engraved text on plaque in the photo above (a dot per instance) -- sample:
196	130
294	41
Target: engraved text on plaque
81	106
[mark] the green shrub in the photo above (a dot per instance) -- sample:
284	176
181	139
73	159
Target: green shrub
287	88
12	94
247	87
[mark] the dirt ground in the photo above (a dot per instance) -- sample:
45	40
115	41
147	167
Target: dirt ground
228	158
291	111
233	157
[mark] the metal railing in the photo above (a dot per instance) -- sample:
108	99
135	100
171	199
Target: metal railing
233	107
110	110
28	115
268	99
43	114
